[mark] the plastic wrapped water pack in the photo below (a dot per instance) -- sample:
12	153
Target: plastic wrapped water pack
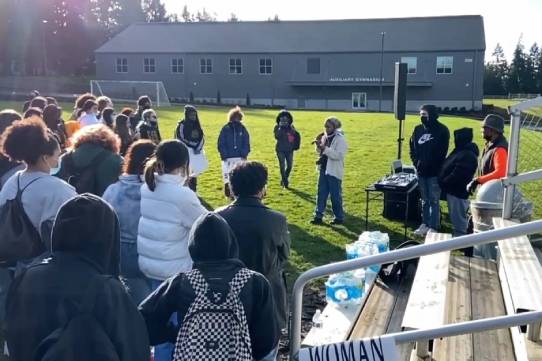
346	287
368	244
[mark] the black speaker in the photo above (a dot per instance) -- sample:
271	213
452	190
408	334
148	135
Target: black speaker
395	206
399	93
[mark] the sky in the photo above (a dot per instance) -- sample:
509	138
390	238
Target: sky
504	21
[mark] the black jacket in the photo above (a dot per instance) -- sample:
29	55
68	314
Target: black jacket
460	166
148	130
264	245
85	245
428	148
486	161
214	250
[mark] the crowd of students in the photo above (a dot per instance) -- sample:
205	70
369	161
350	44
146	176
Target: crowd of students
118	233
123	250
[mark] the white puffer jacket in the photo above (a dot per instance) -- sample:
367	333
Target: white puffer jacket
167	214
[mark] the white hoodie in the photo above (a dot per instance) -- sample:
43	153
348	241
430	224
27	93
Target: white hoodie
167	214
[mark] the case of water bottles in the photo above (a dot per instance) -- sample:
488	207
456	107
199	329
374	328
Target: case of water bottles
349	287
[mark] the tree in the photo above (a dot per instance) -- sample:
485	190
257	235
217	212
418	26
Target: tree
274	18
496	73
518	72
204	16
538	74
155	11
531	65
233	18
186	16
130	12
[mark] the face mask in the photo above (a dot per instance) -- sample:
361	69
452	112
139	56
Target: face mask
424	119
52	170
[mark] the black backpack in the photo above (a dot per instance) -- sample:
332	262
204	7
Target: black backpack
20	239
81	337
83	179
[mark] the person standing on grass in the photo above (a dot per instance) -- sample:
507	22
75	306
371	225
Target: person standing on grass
122	129
168	211
89	114
262	233
456	173
103	103
125	198
288	140
148	127
428	149
332	148
233	145
189	132
52	118
494	160
220	284
143	103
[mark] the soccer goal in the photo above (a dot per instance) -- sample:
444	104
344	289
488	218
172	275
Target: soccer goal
129	91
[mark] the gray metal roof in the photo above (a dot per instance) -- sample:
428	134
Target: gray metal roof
445	33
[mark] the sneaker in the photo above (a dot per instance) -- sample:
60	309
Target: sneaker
336	221
317	220
422	230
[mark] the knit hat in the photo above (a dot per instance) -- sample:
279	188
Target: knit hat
495	122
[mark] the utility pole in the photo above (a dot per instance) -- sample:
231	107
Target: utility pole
382	34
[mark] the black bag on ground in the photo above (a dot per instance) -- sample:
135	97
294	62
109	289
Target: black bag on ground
20	240
83	179
82	337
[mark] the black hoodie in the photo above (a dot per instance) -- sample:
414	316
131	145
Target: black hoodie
460	166
214	250
429	146
189	131
285	135
85	246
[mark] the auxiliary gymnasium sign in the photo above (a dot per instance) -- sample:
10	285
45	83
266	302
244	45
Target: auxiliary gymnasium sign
369	349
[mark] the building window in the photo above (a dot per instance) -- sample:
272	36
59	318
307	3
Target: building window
412	64
177	65
149	65
205	66
359	100
266	66
313	66
122	65
236	66
445	64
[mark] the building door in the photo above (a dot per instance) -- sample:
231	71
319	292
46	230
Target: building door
359	101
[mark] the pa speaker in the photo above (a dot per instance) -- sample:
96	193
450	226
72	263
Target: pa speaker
399	94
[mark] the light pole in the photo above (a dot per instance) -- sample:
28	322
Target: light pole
382	34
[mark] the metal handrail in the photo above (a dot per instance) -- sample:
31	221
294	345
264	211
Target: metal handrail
393	256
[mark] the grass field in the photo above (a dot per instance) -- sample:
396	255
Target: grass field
505	103
372	140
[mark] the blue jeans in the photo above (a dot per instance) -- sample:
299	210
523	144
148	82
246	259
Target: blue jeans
457	208
329	186
271	356
164	351
430	193
286	161
138	285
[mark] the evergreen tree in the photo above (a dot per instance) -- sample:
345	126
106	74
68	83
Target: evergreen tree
233	18
496	73
155	11
517	75
186	16
531	64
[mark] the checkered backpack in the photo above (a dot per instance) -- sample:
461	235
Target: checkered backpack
215	327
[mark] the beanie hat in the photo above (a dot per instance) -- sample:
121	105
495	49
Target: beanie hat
143	99
432	111
495	122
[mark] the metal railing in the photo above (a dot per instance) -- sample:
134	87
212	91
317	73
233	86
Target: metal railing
393	256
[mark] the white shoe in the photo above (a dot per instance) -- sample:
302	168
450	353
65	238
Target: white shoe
422	230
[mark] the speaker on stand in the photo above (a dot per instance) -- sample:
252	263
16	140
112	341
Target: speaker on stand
399	102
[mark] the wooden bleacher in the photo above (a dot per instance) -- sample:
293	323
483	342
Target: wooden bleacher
446	289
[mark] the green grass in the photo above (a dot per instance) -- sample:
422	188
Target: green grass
505	103
372	140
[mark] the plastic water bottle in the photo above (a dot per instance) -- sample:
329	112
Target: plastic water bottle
317	319
347	287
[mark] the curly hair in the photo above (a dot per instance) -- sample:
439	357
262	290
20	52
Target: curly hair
100	135
15	140
235	112
81	99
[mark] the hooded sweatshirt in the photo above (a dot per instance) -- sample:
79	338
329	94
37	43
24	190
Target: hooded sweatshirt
429	146
233	141
189	132
85	247
106	172
214	249
460	166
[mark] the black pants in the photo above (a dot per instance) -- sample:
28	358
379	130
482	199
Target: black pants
286	162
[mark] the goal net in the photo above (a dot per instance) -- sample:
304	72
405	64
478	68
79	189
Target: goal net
130	91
